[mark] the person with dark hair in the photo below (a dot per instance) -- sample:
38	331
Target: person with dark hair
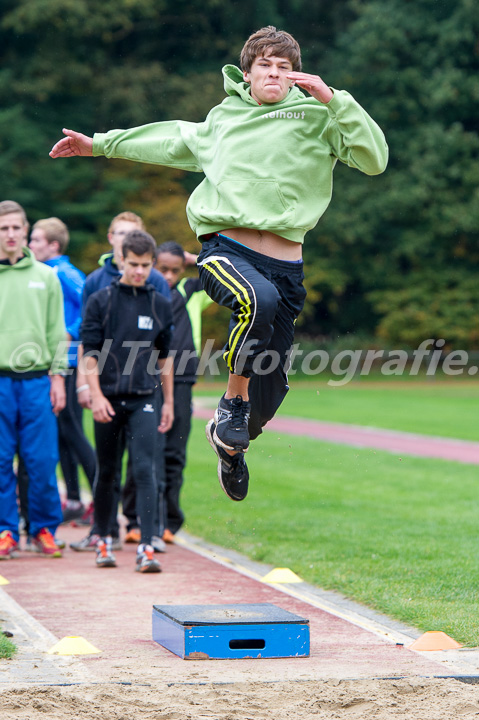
268	153
188	302
128	325
32	389
109	271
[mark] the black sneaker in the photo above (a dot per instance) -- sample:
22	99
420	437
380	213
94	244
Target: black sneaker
232	470
73	510
231	420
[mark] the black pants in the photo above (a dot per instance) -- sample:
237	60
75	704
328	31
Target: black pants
128	499
265	296
175	455
130	510
138	415
73	445
113	525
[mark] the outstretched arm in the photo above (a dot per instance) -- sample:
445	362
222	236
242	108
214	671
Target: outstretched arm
74	144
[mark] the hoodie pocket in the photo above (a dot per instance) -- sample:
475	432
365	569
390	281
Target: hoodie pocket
247	203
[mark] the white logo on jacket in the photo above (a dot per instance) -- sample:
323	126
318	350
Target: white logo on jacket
145	322
285	114
148	408
37	285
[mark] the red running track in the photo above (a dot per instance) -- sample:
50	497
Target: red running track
402	443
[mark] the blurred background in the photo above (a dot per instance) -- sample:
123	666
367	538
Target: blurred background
394	259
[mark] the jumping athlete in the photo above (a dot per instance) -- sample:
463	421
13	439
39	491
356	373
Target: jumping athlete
268	153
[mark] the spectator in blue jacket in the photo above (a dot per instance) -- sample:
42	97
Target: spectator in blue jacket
48	241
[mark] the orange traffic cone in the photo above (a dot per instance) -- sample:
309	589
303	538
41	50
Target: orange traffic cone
435	640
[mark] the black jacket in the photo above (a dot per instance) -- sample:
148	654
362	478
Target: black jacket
130	328
186	359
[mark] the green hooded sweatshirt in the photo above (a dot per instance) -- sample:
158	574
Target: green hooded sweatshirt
267	167
31	318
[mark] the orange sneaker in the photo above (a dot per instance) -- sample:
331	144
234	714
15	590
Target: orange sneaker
145	560
45	544
168	536
7	545
133	536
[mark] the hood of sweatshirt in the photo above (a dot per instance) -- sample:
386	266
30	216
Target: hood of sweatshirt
235	85
26	261
106	261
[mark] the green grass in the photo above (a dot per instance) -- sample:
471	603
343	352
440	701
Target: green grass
399	535
448	409
7	648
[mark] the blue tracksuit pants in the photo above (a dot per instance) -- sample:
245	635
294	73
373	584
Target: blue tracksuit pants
27	422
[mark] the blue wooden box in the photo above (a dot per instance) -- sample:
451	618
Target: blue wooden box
203	632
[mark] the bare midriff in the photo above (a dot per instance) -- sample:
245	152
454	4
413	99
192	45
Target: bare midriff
266	243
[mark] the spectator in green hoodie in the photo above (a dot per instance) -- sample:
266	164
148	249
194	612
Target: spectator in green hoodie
32	389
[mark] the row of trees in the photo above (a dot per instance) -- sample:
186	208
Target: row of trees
394	257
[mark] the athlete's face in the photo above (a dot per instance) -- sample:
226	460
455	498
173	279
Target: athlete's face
13	235
268	78
171	267
136	269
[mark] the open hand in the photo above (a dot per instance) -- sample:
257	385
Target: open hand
74	144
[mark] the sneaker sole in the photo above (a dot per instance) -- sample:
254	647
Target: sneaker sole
55	554
211	441
146	569
82	549
106	564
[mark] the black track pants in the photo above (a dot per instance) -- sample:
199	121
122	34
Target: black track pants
265	296
138	415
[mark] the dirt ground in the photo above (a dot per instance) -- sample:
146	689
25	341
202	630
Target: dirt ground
414	699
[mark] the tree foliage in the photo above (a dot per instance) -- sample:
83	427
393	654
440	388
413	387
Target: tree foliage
393	256
405	245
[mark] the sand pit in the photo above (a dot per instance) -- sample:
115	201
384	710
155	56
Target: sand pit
353	672
414	699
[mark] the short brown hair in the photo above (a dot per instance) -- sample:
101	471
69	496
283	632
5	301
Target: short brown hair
139	242
10	206
127	216
54	230
277	42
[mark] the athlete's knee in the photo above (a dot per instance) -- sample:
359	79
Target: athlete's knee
267	301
